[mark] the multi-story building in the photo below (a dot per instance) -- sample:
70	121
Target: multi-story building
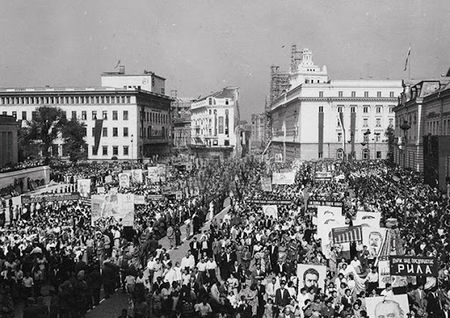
422	130
122	121
8	141
258	122
181	122
318	118
213	124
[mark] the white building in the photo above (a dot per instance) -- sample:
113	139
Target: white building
213	122
130	123
306	119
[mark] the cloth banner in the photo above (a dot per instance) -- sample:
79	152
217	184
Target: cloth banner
316	203
283	177
157	174
266	184
270	211
413	266
385	277
27	199
108	179
370	219
139	199
124	180
323	176
270	202
347	234
119	206
84	187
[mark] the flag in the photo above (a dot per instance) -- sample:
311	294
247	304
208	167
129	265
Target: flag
341	122
347	234
117	65
407	59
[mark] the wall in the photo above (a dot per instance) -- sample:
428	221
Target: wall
7	178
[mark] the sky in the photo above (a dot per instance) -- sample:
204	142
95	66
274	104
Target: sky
201	46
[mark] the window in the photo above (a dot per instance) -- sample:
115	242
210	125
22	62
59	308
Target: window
4	113
339	137
378	109
339	109
210	101
366	154
378	94
74	115
114	115
128	100
83	115
24	115
34	115
14	114
365	109
391	94
353	94
105	114
125	131
115	132
125	115
338	122
115	151
125	150
94	153
221	124
391	122
378	154
366	138
365	122
64	114
320	109
378	122
391	109
94	115
105	150
105	132
320	155
352	109
93	131
340	93
320	94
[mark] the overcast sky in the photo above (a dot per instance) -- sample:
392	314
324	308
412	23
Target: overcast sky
203	45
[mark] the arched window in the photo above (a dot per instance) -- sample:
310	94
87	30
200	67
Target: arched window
366	154
340	153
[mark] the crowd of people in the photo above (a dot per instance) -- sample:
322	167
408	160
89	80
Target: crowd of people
244	264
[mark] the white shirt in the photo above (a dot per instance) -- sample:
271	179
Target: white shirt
188	262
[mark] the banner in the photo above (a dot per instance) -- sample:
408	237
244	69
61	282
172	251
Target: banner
413	266
270	211
53	197
311	276
178	195
323	176
124	180
155	197
119	206
101	190
139	199
347	234
266	184
98	128
136	176
367	219
283	177
328	217
278	157
84	187
257	201
317	203
108	179
157	174
385	277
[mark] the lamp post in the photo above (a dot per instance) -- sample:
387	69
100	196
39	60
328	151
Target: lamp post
377	134
405	126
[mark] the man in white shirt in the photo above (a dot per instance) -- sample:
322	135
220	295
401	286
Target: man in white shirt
188	261
387	292
170	274
271	288
372	280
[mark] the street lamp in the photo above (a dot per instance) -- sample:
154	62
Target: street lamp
366	141
405	126
377	134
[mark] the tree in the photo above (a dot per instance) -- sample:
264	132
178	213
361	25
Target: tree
43	130
391	142
73	133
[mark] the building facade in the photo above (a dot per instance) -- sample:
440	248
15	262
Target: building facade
181	123
257	127
318	118
422	130
121	122
8	141
214	119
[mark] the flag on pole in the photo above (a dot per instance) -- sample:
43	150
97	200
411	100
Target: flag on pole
407	59
341	122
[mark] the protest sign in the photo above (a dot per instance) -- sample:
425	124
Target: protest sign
100	190
136	176
119	206
347	234
311	276
316	203
371	219
257	201
266	184
413	266
84	187
385	277
396	306
283	177
108	179
323	176
328	217
124	180
270	211
139	199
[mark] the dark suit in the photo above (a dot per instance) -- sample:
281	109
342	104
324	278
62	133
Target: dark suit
434	306
237	272
195	249
273	254
227	262
280	268
282	297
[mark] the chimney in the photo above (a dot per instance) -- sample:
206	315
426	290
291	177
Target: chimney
122	69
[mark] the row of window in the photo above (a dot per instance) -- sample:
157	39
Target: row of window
377	137
84	116
366	94
153	117
115	132
365	154
432	127
65	100
366	122
365	109
115	151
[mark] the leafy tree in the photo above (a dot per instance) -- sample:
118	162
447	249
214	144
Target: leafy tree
45	127
73	133
27	148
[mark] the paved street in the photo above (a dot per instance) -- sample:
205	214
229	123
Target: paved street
112	307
